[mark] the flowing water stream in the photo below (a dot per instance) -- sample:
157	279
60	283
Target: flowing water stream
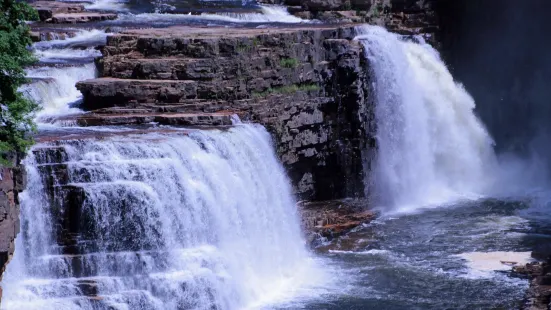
205	219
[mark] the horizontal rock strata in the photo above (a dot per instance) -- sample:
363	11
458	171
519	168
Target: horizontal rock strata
68	13
306	84
407	17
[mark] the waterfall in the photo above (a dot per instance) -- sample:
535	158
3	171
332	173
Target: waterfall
54	89
190	220
60	67
432	149
268	14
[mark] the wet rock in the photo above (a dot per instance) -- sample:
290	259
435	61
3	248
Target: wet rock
47	9
180	119
12	182
332	219
81	17
407	17
538	295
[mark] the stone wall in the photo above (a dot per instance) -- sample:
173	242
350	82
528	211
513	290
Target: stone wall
12	182
307	85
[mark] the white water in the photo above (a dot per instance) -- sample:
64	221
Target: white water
53	87
269	14
432	149
107	5
179	222
81	38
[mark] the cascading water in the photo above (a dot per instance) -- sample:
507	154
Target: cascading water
432	149
61	66
197	220
54	88
267	14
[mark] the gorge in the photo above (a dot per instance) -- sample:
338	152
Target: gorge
270	155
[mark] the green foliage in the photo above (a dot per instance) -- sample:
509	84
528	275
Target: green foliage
256	42
16	112
289	62
291	89
376	11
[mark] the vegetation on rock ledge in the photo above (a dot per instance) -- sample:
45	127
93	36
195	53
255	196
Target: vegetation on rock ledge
291	89
16	112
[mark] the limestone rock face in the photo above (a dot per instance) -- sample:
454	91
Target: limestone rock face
308	85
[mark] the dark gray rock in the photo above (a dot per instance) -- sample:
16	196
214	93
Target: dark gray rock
307	85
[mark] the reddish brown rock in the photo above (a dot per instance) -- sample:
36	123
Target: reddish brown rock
12	182
331	219
538	295
47	9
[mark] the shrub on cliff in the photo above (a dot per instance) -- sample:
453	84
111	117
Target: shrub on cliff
16	112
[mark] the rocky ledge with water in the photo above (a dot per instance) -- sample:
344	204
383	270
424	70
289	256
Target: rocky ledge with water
127	209
306	84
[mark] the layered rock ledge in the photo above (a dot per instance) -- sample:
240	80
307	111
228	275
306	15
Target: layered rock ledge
68	13
307	84
407	17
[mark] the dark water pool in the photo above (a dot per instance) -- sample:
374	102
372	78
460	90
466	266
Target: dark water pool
418	260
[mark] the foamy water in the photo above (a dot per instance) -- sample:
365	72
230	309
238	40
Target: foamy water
431	148
269	14
484	263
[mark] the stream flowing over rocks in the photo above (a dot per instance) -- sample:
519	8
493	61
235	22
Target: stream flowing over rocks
277	154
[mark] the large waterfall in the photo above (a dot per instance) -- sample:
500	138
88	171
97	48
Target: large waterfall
431	147
178	220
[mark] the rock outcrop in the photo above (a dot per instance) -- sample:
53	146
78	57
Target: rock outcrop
307	85
12	182
538	295
68	13
326	220
407	17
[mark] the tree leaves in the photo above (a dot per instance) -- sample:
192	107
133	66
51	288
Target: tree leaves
16	111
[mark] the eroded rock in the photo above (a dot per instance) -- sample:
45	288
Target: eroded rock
332	219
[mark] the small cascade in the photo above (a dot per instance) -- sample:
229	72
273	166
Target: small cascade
62	63
267	14
84	38
54	89
197	220
272	13
432	149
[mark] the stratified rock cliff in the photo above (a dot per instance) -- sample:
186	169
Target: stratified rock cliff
12	182
307	85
